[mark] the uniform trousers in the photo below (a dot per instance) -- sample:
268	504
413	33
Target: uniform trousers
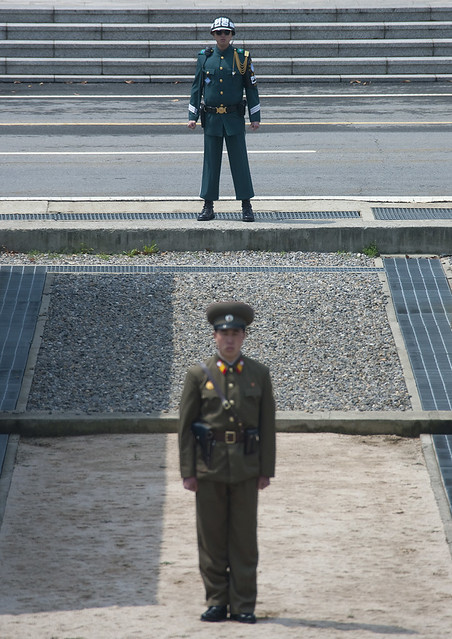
226	520
238	161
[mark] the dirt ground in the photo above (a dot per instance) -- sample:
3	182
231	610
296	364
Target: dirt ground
98	542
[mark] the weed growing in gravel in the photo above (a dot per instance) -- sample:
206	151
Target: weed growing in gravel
146	250
371	250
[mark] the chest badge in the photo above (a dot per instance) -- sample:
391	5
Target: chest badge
209	385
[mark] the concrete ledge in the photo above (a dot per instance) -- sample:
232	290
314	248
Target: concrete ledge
404	424
391	237
115	236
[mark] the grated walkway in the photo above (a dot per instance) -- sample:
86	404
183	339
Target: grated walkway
443	450
21	290
423	303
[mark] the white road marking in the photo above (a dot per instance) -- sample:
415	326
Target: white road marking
266	152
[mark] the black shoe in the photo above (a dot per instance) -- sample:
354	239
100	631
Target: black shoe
247	211
215	613
207	212
243	617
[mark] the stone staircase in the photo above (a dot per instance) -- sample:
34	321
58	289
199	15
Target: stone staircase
301	45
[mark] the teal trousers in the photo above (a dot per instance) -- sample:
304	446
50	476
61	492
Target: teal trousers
238	161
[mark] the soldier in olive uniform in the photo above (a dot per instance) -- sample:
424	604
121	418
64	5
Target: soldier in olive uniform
231	395
222	74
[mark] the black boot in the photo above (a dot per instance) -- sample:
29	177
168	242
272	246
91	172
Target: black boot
207	212
243	617
247	211
215	613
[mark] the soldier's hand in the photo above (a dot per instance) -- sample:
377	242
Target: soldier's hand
263	482
191	124
190	483
254	125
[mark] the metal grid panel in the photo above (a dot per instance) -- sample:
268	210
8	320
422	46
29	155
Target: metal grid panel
423	303
20	299
147	268
99	217
3	445
401	213
443	450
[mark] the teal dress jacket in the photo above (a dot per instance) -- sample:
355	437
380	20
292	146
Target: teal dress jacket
222	78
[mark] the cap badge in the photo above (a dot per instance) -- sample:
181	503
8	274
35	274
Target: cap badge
229	318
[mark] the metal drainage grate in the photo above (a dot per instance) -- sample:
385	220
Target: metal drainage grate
443	450
400	213
150	269
3	446
21	290
423	303
101	217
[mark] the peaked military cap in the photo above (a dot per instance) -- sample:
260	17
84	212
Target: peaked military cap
223	315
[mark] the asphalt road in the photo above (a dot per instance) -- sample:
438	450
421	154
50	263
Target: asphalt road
114	140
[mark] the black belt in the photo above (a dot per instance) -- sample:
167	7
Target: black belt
223	109
227	436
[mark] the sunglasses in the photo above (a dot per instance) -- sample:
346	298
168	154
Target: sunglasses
223	32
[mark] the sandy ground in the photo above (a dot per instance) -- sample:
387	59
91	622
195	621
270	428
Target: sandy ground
98	542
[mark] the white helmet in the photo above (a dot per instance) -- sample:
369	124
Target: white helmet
222	23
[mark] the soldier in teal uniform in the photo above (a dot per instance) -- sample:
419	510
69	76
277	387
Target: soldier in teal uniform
222	75
227	453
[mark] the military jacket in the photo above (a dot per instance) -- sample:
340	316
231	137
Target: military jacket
249	390
219	82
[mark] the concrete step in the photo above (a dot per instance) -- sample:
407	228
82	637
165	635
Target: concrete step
161	44
200	32
177	68
276	48
247	15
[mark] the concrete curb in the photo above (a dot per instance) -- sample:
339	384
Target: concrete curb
404	424
307	235
321	235
436	481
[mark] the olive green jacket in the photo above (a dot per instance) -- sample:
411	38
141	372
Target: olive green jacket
251	394
219	81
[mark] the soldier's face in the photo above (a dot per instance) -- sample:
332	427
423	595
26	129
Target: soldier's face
229	342
223	38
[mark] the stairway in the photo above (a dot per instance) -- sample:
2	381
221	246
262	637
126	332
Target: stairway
304	45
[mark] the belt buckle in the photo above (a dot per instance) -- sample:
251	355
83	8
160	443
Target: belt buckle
221	109
230	437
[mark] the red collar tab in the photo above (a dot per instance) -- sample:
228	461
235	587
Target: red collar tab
223	367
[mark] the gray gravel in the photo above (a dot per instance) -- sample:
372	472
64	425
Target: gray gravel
123	342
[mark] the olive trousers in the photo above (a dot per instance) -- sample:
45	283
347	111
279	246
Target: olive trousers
238	161
226	519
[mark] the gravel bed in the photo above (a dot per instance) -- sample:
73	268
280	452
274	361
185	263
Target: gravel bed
208	258
124	342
